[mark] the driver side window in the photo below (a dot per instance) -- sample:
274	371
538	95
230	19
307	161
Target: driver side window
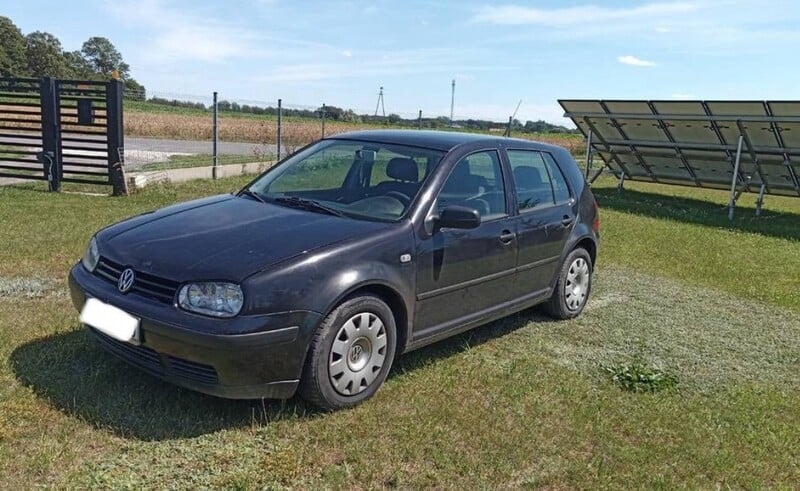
476	182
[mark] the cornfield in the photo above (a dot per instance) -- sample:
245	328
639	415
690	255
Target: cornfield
296	132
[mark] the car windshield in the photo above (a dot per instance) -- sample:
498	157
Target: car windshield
364	180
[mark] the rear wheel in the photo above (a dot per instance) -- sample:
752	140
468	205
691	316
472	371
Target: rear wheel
351	354
573	286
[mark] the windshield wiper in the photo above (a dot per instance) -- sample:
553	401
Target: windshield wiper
252	194
307	204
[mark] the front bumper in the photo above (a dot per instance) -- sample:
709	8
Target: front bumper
245	357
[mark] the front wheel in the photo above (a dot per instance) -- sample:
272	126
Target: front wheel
350	355
573	286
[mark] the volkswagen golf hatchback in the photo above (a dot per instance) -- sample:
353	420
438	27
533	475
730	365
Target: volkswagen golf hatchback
322	270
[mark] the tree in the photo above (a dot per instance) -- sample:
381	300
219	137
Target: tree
78	66
45	56
12	50
134	90
103	57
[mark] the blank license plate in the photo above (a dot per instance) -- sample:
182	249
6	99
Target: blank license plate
110	320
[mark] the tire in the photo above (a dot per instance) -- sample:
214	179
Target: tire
350	354
573	286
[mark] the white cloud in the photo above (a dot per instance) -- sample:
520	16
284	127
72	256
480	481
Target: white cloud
347	53
375	63
634	61
663	30
578	16
182	35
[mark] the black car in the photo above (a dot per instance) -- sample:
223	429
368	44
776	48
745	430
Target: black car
315	276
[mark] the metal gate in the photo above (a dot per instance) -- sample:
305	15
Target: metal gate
62	131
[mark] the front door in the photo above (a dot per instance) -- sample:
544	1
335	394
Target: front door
463	272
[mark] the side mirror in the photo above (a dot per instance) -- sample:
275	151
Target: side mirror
458	217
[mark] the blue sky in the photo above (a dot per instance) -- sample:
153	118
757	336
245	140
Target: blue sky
339	51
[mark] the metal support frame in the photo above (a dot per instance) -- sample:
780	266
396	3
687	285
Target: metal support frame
280	129
419	120
324	110
760	200
621	184
215	139
749	144
786	158
624	135
589	154
664	126
732	203
593	129
681	117
596	174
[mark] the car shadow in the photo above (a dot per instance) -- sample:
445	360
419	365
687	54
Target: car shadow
73	374
707	213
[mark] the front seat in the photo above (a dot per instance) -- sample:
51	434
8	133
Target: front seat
405	175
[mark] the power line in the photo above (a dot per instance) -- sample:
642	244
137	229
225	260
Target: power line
380	104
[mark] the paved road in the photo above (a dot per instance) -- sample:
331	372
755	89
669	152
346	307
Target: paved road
140	151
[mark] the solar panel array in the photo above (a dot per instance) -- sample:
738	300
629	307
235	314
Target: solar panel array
696	143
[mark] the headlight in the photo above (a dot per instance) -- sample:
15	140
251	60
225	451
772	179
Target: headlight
91	256
211	298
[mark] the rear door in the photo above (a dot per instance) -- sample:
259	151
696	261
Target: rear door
546	214
463	272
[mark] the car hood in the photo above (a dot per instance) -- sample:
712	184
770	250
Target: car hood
223	238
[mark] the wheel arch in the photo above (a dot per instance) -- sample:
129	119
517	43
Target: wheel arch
392	298
590	245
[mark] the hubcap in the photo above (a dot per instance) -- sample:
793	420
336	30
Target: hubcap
357	354
577	285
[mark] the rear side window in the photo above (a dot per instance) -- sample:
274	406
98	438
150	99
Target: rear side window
560	188
538	180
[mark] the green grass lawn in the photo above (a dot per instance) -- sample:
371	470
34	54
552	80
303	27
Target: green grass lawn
520	402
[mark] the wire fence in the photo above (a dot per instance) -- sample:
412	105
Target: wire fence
166	130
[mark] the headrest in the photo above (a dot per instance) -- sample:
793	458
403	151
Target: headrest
403	169
528	177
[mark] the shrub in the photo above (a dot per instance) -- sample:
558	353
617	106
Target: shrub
637	376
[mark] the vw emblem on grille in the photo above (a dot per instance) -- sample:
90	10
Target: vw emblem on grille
126	279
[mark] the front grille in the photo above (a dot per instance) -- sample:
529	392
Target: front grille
156	364
195	371
147	285
140	356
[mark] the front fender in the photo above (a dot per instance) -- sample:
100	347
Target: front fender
320	280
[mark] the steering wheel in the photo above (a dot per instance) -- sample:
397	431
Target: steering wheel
402	197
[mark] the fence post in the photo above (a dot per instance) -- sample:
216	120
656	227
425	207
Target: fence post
323	120
51	133
215	138
419	120
280	123
116	138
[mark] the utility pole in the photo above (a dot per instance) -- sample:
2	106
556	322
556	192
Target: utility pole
452	100
380	104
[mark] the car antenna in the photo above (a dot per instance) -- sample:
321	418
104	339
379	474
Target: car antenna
511	118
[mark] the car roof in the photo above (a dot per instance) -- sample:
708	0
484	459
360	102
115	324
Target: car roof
437	140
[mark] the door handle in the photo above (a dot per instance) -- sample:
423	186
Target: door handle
567	220
507	236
